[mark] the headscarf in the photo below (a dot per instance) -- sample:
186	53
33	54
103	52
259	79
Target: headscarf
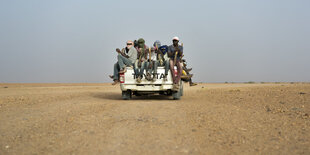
157	43
141	44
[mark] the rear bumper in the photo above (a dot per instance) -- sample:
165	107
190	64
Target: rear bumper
125	87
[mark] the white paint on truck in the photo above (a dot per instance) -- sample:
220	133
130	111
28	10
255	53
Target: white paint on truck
129	84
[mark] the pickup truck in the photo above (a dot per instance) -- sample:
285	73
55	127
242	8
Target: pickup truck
130	86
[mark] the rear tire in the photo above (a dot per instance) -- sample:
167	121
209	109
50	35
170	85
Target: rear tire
177	94
126	95
181	89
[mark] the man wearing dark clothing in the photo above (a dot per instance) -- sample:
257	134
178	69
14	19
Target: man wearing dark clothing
175	51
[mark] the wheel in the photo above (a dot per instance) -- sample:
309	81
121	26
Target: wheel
126	95
169	92
181	88
177	94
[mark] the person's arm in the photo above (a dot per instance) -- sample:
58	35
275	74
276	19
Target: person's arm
159	52
145	54
124	55
118	50
138	54
181	51
170	54
121	53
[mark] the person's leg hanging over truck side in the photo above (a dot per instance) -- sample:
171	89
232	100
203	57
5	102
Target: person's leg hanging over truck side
123	62
179	71
171	64
155	65
167	68
116	69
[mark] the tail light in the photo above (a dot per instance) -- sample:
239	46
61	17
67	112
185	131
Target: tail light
121	77
175	70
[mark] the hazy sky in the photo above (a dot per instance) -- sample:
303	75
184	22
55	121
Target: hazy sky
224	40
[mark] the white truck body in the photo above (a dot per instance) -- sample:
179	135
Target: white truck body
130	86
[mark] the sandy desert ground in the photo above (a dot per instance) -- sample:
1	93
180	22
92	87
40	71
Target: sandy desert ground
209	119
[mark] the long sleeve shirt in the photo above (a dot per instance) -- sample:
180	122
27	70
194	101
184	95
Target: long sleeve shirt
141	53
132	53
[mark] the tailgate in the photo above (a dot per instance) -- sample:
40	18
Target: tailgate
129	78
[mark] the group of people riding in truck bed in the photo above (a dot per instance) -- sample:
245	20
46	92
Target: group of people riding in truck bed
141	57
